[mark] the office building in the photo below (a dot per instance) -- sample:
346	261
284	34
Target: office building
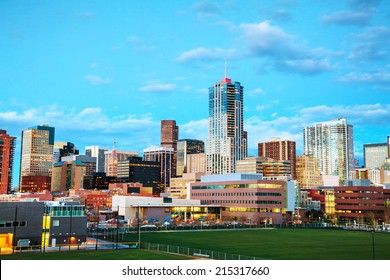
375	155
89	162
67	175
164	156
307	172
36	160
113	157
196	163
266	166
7	152
62	149
358	201
178	186
331	143
169	139
136	170
279	149
226	141
186	147
98	153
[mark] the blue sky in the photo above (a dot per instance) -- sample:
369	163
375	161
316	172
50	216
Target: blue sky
104	70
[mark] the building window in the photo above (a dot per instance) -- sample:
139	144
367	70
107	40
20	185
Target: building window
56	223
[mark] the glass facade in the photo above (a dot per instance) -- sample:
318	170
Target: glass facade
226	142
331	143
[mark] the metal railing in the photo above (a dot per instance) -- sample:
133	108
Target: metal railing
198	253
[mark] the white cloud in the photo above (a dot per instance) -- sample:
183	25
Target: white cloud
206	8
158	88
97	80
205	54
283	51
348	17
370	78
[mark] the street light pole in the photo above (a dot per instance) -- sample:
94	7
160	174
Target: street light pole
139	227
373	244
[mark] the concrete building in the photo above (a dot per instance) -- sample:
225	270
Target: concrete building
67	175
7	155
244	197
162	209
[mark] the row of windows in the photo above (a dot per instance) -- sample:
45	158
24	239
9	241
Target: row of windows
238	186
242	201
8	224
238	194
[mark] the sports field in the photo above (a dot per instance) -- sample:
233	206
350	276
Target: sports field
283	244
274	244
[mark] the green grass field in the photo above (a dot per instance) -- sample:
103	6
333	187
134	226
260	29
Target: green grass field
275	244
283	244
123	254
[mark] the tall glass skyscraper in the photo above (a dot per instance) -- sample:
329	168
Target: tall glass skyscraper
331	143
226	142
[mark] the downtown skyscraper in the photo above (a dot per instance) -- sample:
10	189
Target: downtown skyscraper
36	160
331	143
226	142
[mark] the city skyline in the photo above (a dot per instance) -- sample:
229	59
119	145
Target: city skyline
99	72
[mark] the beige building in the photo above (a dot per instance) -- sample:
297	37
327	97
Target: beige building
179	185
308	173
67	175
263	165
196	163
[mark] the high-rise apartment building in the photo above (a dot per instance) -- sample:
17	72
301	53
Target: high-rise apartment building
226	142
186	147
98	153
164	156
169	139
7	151
375	155
279	150
331	143
36	160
